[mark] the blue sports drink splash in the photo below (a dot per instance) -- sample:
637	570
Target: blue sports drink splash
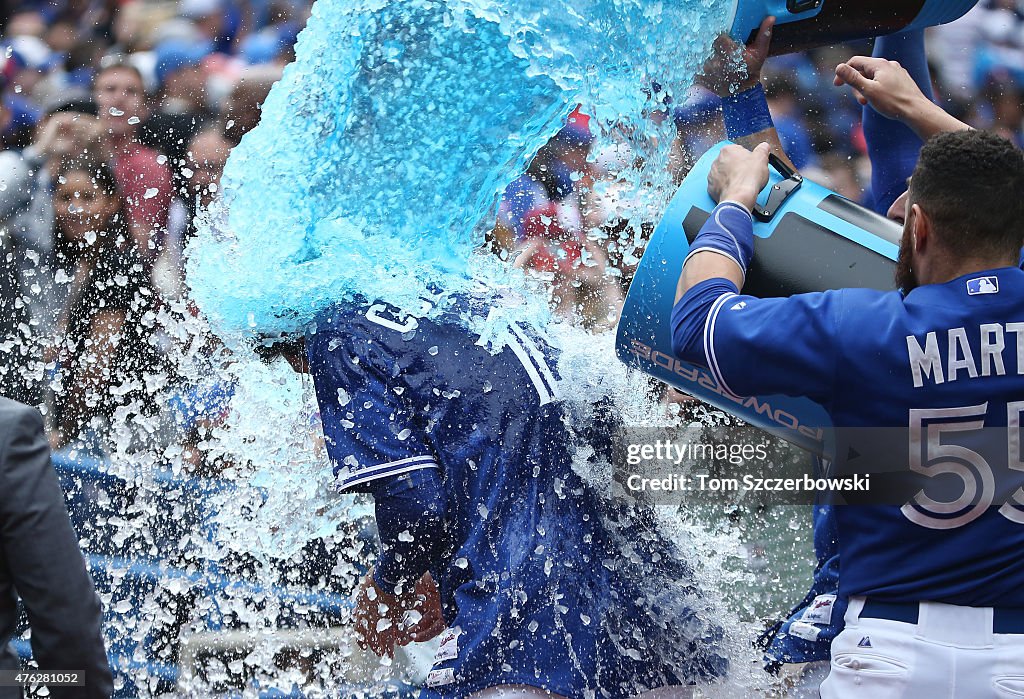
380	154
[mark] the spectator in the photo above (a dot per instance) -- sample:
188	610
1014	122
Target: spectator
14	340
26	216
69	132
206	156
1007	112
181	105
142	173
103	352
244	105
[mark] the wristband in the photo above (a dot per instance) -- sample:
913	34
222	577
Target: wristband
746	113
729	231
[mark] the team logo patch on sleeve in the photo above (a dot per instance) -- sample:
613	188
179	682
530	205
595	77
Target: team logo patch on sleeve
982	285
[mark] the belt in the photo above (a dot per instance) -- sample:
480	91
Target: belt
1004	619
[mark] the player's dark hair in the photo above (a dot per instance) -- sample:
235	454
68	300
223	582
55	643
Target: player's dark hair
270	348
971	185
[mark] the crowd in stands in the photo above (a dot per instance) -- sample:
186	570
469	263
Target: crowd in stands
117	118
116	122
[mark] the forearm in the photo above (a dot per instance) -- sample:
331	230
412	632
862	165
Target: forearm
769	136
748	121
411	522
722	249
927	119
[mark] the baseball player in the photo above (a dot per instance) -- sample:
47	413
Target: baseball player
936	604
894	131
467	446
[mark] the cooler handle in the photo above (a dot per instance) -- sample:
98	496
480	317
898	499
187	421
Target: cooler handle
780	192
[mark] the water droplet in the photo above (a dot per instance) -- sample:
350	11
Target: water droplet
404	434
343	397
115	112
134	120
150	193
488	387
432	351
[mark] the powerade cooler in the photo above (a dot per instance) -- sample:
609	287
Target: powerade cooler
806	238
806	24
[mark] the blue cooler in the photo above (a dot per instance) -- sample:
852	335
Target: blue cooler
806	24
806	238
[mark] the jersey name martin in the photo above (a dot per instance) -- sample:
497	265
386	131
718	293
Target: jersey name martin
951	357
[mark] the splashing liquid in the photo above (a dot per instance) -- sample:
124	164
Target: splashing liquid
381	152
374	173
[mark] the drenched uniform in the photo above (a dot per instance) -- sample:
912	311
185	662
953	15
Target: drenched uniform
936	581
542	582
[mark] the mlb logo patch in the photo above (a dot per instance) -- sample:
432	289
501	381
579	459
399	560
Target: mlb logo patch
982	285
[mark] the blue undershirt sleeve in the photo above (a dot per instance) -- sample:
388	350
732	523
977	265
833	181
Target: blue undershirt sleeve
893	147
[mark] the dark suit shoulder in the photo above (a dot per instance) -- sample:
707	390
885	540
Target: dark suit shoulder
17	417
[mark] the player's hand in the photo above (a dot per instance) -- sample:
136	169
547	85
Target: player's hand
384	620
884	84
431	620
739	174
732	69
377	618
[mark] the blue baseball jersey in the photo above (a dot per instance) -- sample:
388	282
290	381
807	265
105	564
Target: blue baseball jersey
547	584
945	365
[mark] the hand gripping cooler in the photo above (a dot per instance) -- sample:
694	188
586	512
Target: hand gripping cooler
806	24
806	238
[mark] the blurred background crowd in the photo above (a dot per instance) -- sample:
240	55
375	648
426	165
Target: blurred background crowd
117	118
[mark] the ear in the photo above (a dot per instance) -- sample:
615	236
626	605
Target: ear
921	228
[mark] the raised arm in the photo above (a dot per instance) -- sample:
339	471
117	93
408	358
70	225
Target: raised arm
735	75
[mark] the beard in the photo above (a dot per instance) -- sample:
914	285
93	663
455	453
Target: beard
906	280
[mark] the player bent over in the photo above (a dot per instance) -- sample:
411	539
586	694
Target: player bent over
467	447
936	604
